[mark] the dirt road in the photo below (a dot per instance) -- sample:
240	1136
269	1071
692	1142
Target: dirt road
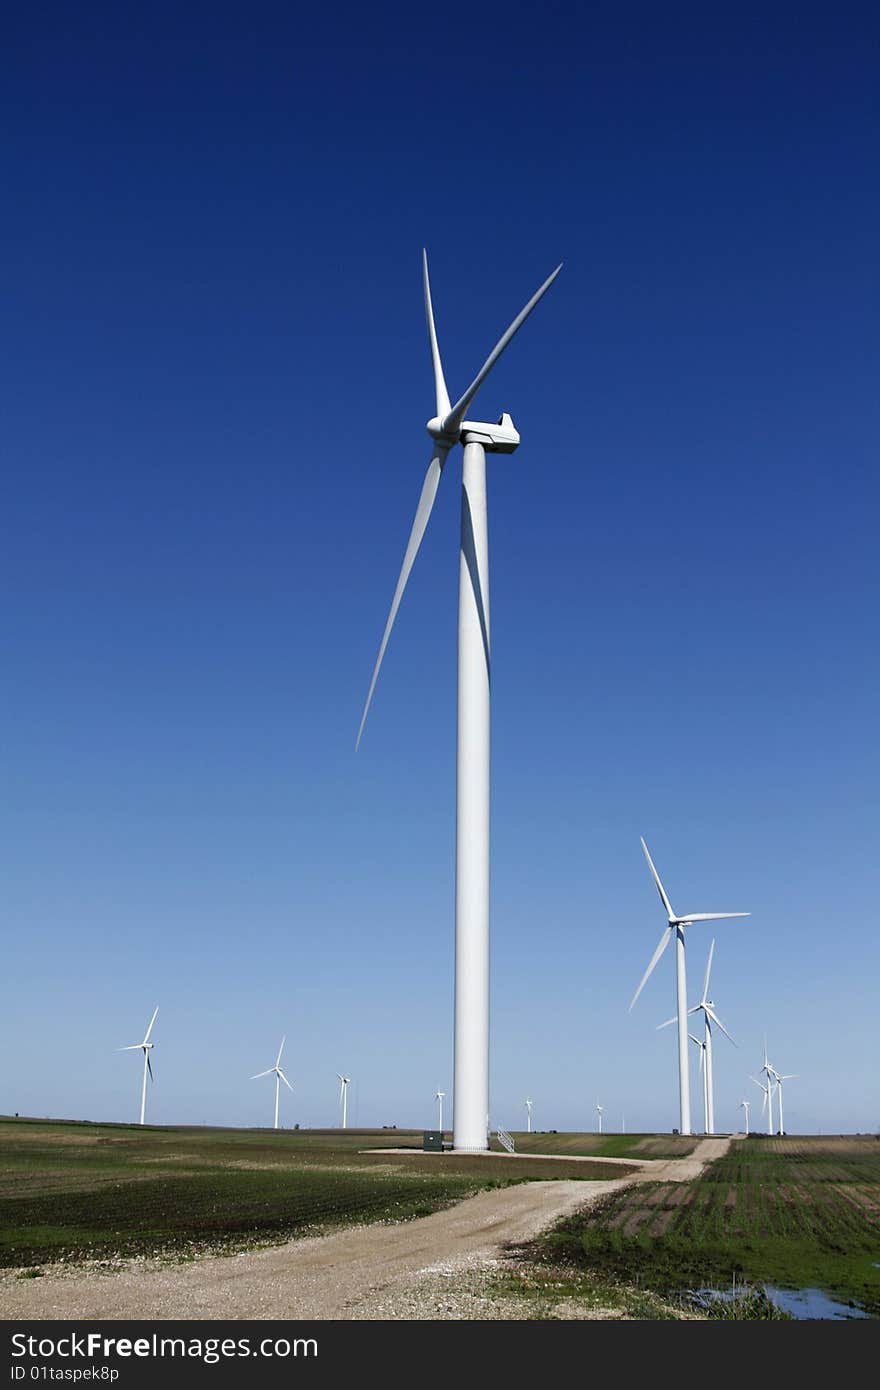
366	1272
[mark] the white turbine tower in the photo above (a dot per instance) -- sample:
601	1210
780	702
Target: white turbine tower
447	428
438	1096
279	1077
147	1048
744	1105
344	1082
675	927
707	1006
528	1117
600	1110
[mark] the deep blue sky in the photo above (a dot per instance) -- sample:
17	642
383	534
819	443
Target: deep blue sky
216	378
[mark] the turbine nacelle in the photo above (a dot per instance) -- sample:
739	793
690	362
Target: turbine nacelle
502	437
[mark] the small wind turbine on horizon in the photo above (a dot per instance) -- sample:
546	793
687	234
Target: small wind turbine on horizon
675	927
448	427
600	1111
707	1006
279	1077
438	1096
528	1117
147	1048
344	1082
744	1105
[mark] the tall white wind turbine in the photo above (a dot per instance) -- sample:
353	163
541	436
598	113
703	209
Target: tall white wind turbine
147	1049
675	927
706	1006
528	1117
448	427
439	1096
279	1077
600	1111
744	1105
344	1082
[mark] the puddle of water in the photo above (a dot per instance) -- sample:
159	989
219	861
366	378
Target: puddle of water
798	1303
813	1303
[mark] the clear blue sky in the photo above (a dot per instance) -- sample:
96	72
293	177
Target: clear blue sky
216	378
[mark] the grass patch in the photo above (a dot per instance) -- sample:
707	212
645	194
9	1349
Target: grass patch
799	1214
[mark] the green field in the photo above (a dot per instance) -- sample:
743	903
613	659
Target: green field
74	1190
795	1212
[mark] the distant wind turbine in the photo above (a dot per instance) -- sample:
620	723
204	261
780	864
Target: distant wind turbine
147	1048
600	1110
771	1074
767	1102
528	1117
779	1080
707	1006
279	1077
744	1105
447	428
343	1095
438	1096
703	1078
675	927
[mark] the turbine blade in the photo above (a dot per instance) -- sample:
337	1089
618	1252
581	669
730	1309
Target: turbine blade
708	970
284	1079
423	512
664	942
453	420
441	393
668	1021
711	916
280	1050
715	1019
267	1072
150	1067
152	1021
132	1047
660	889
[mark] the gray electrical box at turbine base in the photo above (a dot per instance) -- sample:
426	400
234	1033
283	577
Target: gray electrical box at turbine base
432	1141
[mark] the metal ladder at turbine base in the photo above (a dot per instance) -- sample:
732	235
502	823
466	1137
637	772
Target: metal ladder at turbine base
505	1140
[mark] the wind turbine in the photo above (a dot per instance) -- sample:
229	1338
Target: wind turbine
279	1077
600	1110
703	1077
707	1006
528	1117
767	1102
675	927
772	1076
438	1096
744	1105
448	427
343	1095
779	1080
147	1048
